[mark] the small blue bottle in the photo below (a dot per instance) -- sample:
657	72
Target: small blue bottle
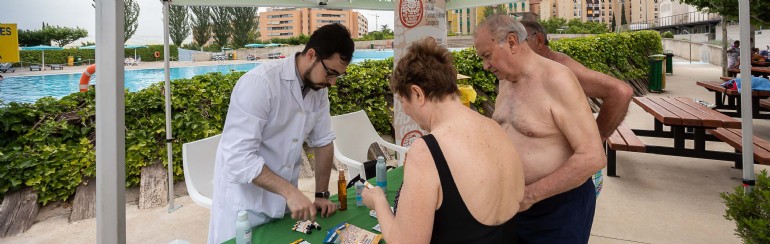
382	179
359	189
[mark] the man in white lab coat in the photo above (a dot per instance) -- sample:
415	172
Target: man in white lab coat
273	109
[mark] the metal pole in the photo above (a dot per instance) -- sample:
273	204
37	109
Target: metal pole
747	130
167	91
110	125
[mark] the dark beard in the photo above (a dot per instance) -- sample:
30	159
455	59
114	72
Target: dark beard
308	83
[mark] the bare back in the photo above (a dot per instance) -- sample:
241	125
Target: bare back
525	109
485	166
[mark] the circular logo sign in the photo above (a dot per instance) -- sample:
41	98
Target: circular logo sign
410	12
409	138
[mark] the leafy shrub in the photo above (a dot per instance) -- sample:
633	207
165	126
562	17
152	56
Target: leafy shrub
60	56
668	34
751	212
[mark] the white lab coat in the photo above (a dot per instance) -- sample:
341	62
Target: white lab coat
267	121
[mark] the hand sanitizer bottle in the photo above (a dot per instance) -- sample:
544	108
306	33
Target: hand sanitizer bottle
359	189
382	179
243	228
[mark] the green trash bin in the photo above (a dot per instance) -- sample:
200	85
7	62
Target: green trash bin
656	72
669	62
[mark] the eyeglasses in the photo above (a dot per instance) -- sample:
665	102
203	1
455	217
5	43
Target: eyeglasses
330	73
533	33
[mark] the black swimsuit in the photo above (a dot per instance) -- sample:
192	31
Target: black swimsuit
453	222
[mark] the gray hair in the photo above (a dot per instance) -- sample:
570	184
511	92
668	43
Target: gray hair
500	25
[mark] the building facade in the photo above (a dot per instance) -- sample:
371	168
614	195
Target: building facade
464	21
293	22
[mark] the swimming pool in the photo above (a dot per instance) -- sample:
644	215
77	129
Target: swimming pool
30	88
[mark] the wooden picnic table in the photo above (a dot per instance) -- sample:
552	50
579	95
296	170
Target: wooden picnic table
687	120
733	97
755	71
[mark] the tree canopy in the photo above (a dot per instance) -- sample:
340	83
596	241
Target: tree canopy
201	24
244	25
178	24
759	9
48	35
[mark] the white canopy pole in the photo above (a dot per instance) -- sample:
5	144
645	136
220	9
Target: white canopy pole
167	91
747	122
110	125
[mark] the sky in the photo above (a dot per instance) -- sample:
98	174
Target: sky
30	14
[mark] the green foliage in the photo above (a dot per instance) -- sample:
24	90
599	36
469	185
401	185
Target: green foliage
60	56
178	24
574	26
623	56
729	9
221	19
751	212
365	87
244	25
668	34
130	18
62	36
384	33
495	9
201	24
469	64
302	39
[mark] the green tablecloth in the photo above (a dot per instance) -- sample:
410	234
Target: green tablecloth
279	231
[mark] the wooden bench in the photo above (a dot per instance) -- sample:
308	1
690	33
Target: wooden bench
764	104
623	139
733	138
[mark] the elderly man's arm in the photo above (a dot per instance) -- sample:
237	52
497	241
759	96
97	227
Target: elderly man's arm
615	95
574	119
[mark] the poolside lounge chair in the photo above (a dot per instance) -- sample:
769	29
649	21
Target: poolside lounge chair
5	67
57	66
35	67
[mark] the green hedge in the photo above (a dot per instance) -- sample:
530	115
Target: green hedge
623	56
49	145
60	56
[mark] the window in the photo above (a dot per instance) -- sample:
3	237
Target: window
330	15
279	16
283	22
330	21
280	28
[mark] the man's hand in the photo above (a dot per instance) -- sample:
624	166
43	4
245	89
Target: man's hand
301	207
327	207
528	200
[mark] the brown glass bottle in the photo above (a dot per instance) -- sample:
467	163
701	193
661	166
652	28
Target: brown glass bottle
342	193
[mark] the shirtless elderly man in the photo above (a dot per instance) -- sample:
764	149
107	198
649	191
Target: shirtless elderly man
615	94
544	111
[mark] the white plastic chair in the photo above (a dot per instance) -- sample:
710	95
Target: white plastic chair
198	159
355	134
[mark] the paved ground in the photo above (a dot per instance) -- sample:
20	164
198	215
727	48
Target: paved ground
656	199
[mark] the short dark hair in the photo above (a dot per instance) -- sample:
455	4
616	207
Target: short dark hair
536	27
737	42
331	39
429	66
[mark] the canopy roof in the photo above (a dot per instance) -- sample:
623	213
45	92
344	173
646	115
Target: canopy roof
41	47
387	5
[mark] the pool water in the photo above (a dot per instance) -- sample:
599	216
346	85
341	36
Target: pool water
29	89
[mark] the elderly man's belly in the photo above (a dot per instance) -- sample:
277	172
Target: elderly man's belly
541	156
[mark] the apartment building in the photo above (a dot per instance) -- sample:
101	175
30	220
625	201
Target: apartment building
293	22
464	21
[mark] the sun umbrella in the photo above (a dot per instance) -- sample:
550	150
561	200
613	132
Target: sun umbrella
272	45
134	47
41	48
256	45
126	47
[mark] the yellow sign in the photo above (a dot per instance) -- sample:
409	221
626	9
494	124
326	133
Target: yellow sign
9	43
